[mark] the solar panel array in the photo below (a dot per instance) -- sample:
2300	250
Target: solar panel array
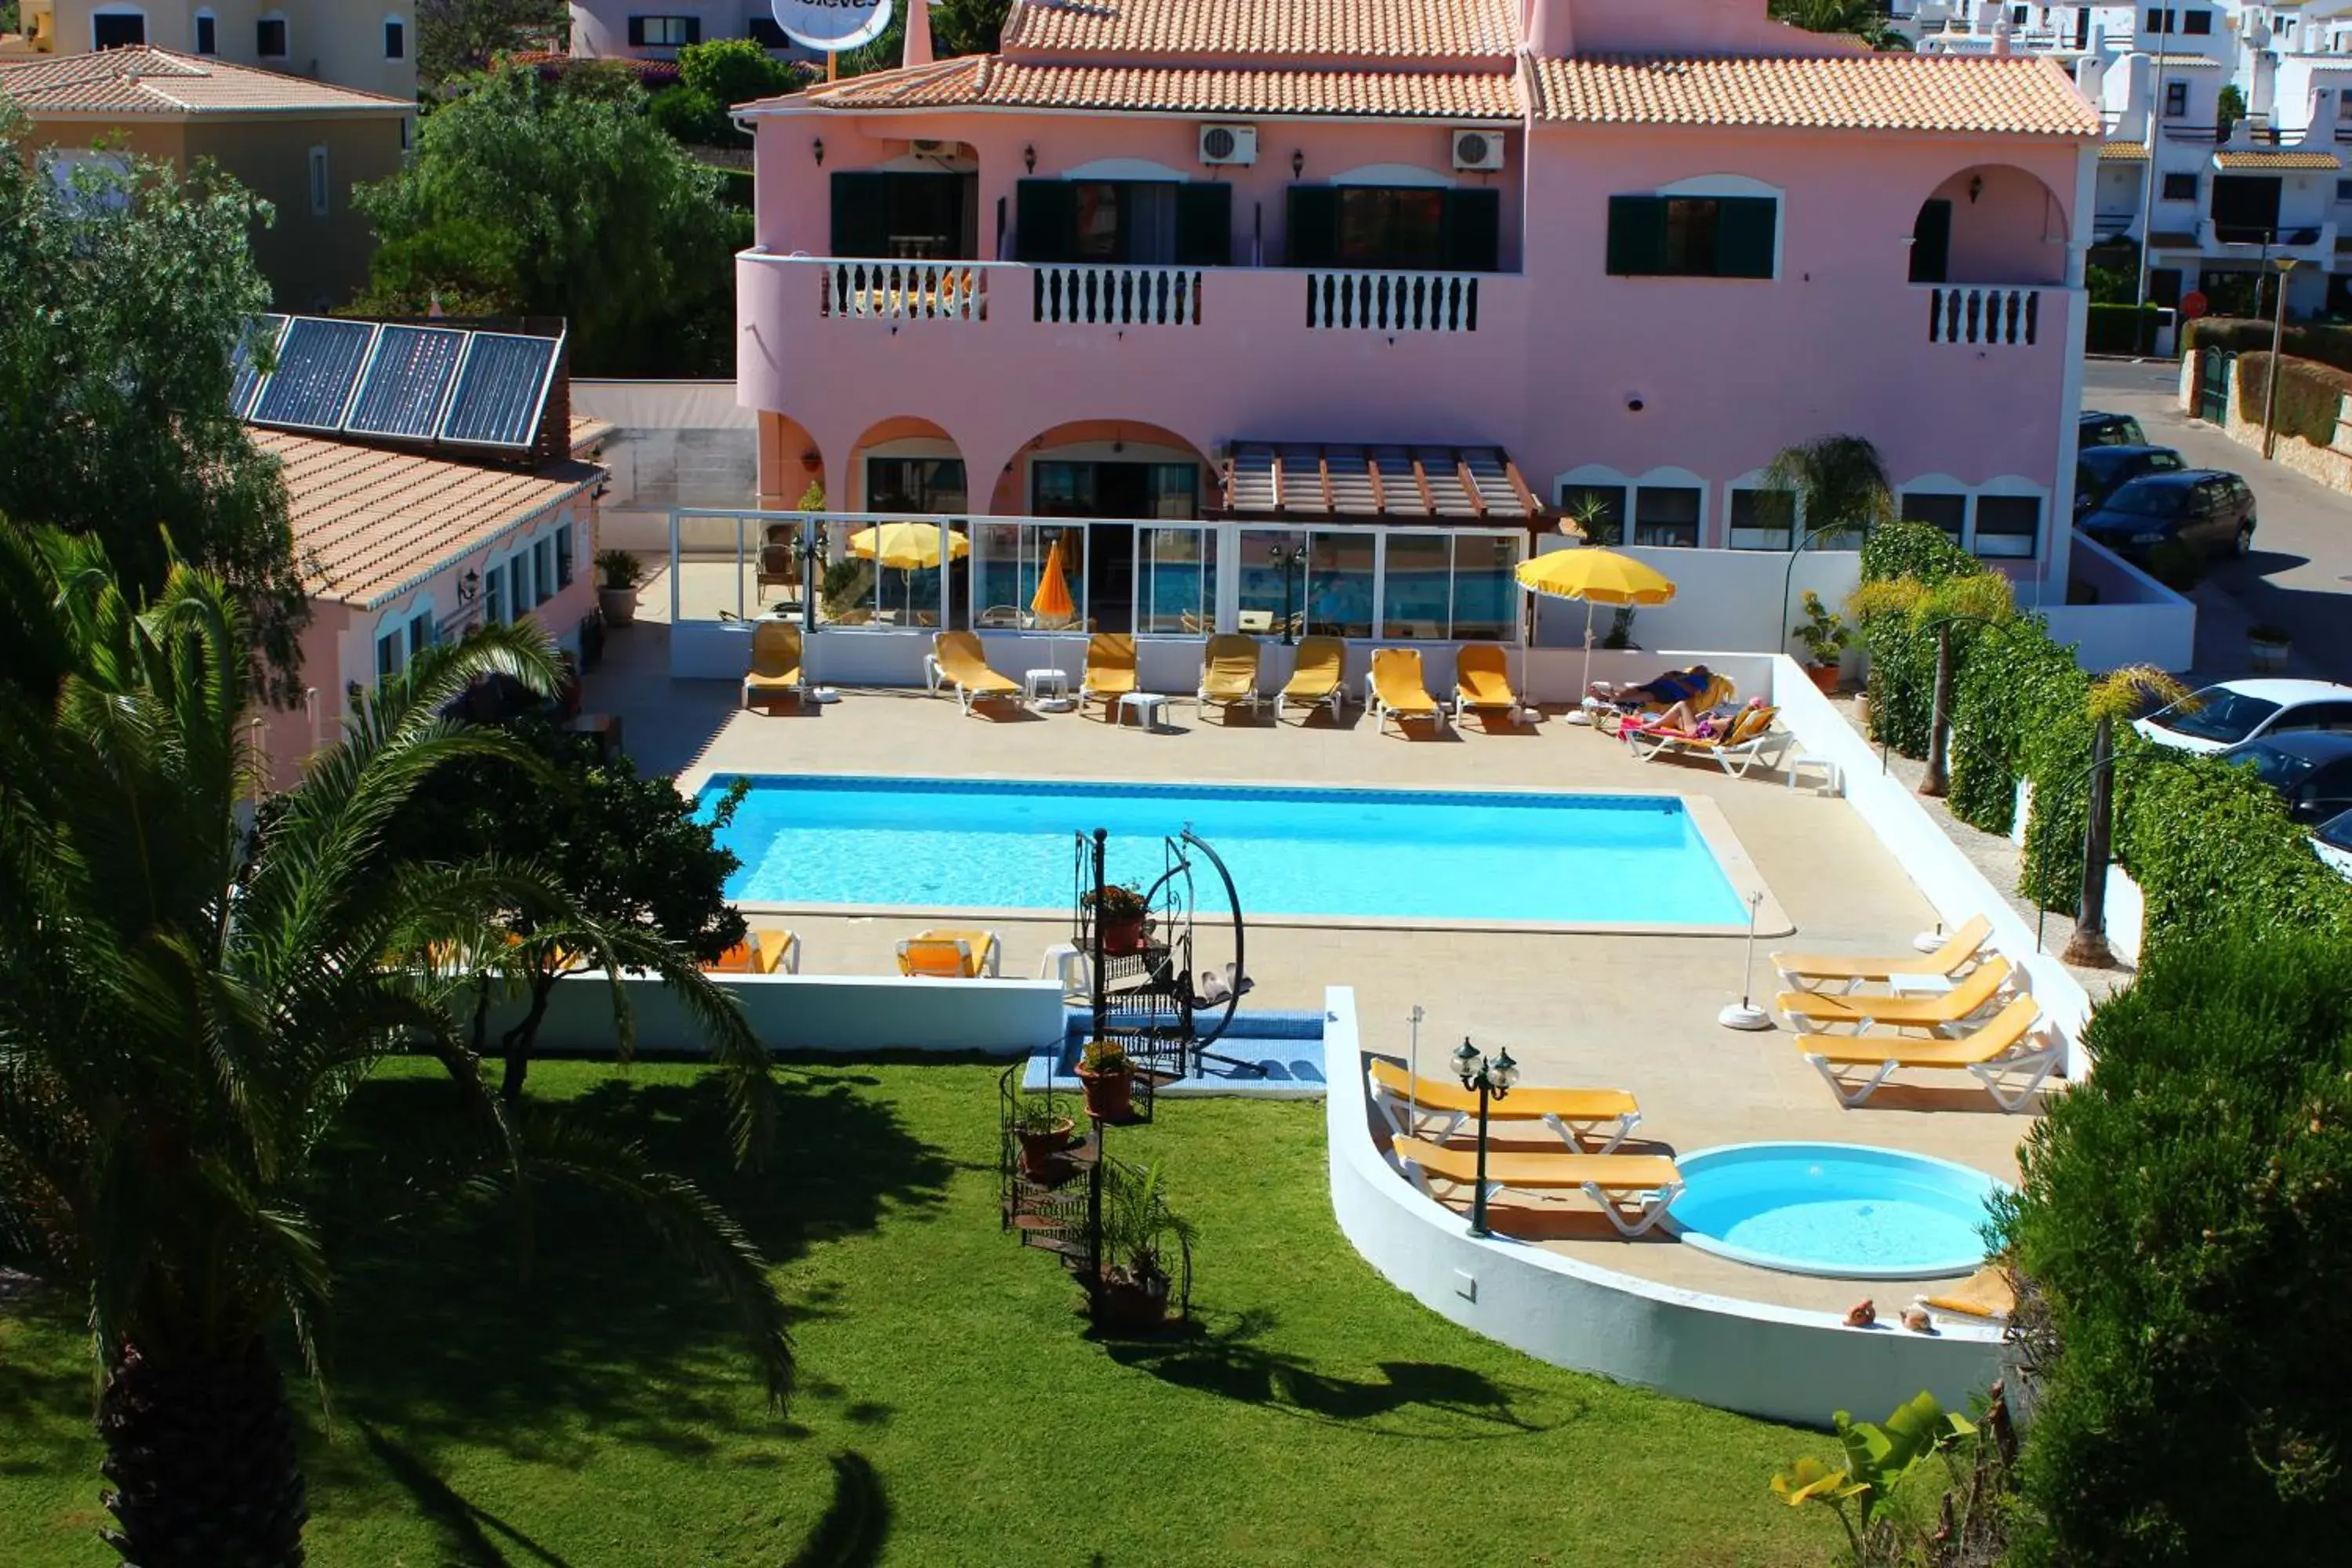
396	383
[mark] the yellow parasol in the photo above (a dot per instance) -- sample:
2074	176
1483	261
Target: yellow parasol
1051	603
907	546
1597	577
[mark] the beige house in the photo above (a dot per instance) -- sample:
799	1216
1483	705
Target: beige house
300	145
369	45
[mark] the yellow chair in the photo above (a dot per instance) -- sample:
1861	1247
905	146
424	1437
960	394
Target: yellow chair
1609	1115
1229	674
775	661
2004	1053
1482	679
1111	670
1812	972
1317	678
1633	1191
958	659
1986	1297
950	955
1986	985
1396	690
759	952
1747	739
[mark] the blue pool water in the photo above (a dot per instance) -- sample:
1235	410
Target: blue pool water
981	844
1835	1208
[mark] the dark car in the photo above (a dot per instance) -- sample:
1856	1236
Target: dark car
2204	508
2100	472
2110	430
2311	770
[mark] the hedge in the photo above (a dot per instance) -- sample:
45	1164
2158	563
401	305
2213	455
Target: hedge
2239	334
2012	683
1902	684
2214	852
2310	394
2123	329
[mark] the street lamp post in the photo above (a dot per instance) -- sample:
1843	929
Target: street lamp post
1492	1078
2285	264
1286	556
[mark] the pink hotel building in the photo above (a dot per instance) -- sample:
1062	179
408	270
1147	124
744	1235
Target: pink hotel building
1399	281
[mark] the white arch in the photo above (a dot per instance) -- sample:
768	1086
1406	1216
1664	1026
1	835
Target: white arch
1720	185
1671	477
1394	174
2012	485
1125	169
1753	479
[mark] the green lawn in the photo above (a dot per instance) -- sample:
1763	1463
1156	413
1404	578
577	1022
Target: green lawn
953	1409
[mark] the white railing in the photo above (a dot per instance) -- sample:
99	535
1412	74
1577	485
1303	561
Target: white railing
1117	296
1392	301
2311	241
1982	313
903	290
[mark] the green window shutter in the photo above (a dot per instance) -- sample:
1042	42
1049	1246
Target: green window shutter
1204	223
861	215
1931	241
1314	226
1744	231
1637	236
1045	221
1474	230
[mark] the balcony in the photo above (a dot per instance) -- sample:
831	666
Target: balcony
2314	243
1990	314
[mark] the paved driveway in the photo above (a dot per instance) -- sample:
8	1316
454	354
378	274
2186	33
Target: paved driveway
2300	574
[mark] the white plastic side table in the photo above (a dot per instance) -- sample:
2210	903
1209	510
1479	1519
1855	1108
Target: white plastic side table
1047	689
1150	709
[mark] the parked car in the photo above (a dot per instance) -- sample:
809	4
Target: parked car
2100	429
2204	508
2219	717
2332	842
2100	472
2311	770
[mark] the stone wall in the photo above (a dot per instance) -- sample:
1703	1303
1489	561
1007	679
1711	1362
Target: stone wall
2330	465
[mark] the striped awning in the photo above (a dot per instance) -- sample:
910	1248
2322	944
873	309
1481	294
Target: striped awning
1295	482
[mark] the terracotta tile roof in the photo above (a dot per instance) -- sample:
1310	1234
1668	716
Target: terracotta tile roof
2187	63
989	81
2266	158
552	65
2123	152
2018	95
160	82
369	523
1345	29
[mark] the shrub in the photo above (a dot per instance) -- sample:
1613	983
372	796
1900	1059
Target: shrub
2213	851
2309	396
2239	334
691	116
2186	1215
1902	564
1916	549
2123	329
2013	681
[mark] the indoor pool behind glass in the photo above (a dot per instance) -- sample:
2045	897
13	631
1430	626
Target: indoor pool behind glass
1364	854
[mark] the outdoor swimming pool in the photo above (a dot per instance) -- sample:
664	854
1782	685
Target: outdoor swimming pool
1839	1209
1576	859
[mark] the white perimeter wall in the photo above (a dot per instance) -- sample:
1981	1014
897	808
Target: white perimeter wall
848	1012
2137	619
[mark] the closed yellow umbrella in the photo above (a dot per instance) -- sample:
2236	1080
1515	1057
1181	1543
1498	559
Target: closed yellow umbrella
1052	601
1597	577
907	546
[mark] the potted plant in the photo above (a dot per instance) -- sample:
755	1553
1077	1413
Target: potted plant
2267	645
1110	1078
1044	1136
1139	1232
1120	917
618	574
1824	635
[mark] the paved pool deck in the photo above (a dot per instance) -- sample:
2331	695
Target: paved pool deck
1624	1010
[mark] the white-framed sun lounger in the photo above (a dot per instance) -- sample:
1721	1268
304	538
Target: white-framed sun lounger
1633	1191
1435	1109
2008	1054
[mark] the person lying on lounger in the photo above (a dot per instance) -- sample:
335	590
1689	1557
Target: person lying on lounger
1679	719
1675	686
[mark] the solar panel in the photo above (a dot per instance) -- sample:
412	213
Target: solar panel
246	374
406	383
500	391
318	363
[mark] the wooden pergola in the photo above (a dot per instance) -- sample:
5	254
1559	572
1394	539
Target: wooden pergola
1312	482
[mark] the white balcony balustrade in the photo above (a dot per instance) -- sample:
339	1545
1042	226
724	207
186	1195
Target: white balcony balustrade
2314	242
1985	313
1392	301
1117	296
903	290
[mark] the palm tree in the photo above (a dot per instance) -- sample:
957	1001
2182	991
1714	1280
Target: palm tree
1863	19
1836	479
191	1007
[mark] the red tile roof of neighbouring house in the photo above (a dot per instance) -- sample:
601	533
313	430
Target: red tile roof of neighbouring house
160	82
1336	30
2018	95
986	81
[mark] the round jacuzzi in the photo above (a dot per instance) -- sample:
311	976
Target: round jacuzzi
1836	1209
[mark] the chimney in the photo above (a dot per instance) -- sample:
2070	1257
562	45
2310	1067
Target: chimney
919	34
2000	41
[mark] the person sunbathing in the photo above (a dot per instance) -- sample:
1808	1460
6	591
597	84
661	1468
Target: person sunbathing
1673	687
1679	719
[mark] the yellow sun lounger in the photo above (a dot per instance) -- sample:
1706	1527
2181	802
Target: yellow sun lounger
759	952
1632	1190
775	661
1396	690
1987	985
1606	1115
1984	1296
2005	1053
1811	972
1229	673
1111	670
1318	678
1747	739
958	661
950	955
1482	679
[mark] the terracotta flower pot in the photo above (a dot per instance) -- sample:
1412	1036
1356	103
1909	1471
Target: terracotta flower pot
1121	934
1110	1096
1127	1304
1825	677
1041	1152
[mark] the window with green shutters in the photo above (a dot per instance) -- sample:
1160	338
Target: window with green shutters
902	216
1425	228
1147	223
1692	236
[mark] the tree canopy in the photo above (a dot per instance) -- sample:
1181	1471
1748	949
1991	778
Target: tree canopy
1863	19
129	290
456	36
534	198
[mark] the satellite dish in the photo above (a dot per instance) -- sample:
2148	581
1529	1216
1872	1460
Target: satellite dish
832	26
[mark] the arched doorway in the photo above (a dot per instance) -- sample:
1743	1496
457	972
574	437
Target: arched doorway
1991	223
900	470
1123	500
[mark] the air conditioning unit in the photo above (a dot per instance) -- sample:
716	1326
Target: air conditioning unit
1229	144
1477	150
922	149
